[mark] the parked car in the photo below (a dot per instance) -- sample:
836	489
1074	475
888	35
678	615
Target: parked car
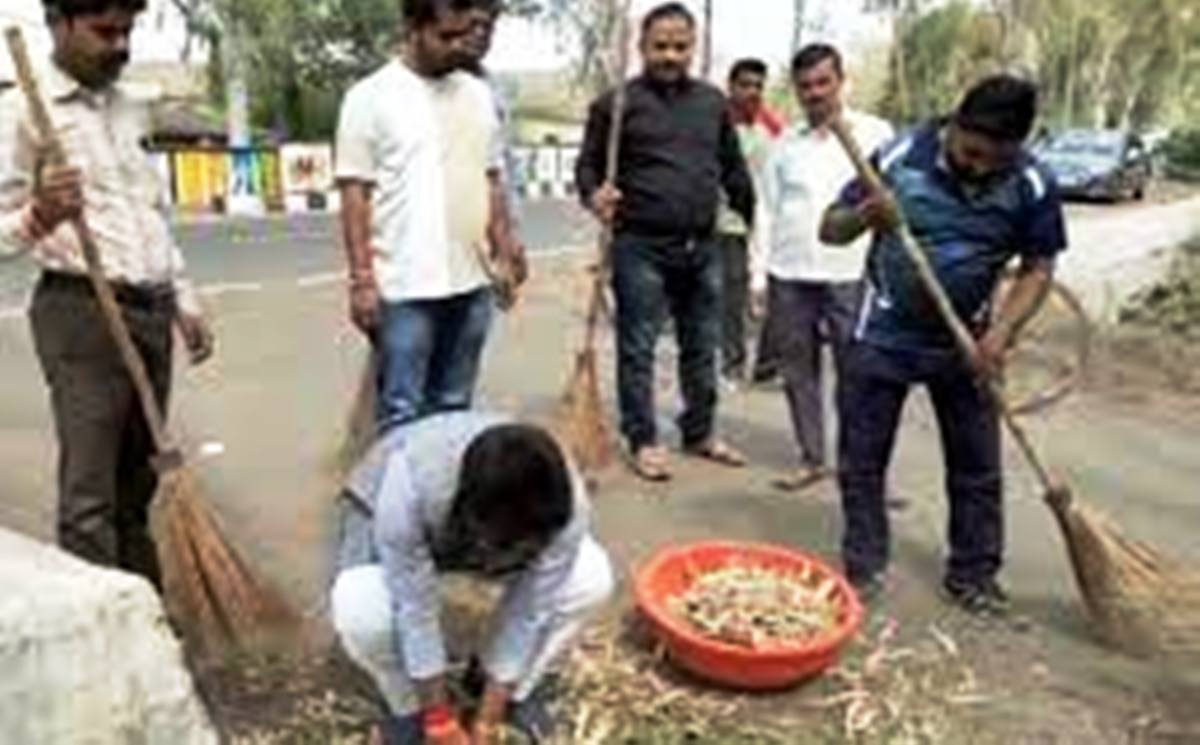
1103	164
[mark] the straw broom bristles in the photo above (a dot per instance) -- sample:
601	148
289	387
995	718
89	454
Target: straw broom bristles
580	421
360	426
1137	599
209	591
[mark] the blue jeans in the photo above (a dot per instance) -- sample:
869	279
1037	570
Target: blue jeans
875	383
652	277
429	353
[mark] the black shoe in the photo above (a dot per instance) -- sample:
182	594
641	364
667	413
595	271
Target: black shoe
534	717
980	597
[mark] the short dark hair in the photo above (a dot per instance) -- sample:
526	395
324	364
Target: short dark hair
667	10
56	9
515	476
750	65
419	13
812	55
1001	106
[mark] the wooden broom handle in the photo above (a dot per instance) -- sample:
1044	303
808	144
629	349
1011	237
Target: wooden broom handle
109	308
962	337
611	160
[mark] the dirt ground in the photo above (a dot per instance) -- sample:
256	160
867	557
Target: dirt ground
919	672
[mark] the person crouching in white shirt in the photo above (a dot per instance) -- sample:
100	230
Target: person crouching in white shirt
481	494
812	289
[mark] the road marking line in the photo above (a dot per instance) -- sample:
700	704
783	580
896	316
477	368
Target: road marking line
212	449
229	288
12	314
319	280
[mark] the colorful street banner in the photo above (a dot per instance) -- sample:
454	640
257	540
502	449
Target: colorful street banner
201	179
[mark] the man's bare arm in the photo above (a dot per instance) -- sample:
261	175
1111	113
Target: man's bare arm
1025	297
356	228
356	240
500	223
501	231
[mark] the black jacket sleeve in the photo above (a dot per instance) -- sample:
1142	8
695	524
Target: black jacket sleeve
590	167
735	175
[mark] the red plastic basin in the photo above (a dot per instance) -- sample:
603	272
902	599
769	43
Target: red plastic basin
672	570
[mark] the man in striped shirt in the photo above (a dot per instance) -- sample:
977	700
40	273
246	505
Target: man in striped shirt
105	478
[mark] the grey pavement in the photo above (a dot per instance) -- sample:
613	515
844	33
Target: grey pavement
244	253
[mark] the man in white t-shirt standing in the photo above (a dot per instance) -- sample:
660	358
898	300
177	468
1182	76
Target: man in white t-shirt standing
419	165
812	289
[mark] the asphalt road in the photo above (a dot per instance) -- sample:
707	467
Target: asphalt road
245	253
299	246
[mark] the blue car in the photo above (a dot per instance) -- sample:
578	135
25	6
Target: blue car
1097	164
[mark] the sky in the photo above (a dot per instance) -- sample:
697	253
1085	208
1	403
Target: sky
761	28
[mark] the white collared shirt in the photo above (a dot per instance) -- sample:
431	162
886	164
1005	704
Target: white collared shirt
804	175
426	146
123	197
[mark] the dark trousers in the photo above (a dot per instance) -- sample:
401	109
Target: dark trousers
874	386
653	277
735	297
766	353
430	352
105	480
805	315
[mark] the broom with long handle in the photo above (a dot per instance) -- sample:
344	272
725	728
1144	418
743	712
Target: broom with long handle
1138	601
580	419
211	595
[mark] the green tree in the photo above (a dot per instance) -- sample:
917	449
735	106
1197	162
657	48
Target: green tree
943	50
299	56
1100	63
588	30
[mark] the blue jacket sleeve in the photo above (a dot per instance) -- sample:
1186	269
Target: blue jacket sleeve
1044	231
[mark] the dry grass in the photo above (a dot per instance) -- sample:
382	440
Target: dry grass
623	690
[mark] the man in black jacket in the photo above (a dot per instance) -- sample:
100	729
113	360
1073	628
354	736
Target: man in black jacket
678	149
